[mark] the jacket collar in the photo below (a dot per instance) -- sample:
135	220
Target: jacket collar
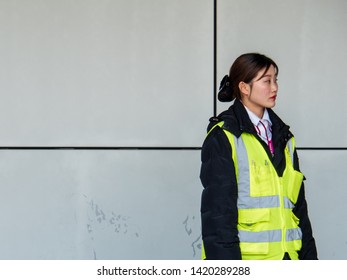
237	121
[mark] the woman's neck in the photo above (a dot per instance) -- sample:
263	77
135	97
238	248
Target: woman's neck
257	110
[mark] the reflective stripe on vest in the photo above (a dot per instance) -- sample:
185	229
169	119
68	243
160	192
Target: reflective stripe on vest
243	181
244	184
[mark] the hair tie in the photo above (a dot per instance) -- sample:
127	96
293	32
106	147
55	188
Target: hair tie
225	93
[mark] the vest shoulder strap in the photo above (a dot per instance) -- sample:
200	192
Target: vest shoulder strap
232	140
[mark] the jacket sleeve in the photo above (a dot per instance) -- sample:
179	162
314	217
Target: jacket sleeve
308	250
219	198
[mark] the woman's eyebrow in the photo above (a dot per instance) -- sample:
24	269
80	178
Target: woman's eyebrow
265	76
268	76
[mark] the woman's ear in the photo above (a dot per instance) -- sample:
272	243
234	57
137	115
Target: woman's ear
244	88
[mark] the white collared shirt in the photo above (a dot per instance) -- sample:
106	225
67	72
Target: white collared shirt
255	120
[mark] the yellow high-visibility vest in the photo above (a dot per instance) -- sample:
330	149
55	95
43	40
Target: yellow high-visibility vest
267	226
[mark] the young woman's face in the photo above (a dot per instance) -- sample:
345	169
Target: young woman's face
262	92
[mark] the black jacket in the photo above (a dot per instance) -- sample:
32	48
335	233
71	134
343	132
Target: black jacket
219	212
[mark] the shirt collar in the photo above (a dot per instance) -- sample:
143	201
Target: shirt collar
255	119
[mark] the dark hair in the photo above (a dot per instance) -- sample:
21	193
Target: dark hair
244	69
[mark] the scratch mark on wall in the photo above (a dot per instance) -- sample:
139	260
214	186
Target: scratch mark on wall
197	245
118	223
186	226
194	235
89	228
101	223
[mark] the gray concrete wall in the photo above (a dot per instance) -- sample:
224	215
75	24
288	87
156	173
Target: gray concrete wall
132	74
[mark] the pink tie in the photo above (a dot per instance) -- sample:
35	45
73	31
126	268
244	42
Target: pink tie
264	131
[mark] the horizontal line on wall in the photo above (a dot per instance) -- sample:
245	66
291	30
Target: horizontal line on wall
93	148
137	148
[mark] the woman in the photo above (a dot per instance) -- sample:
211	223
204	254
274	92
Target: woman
253	202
